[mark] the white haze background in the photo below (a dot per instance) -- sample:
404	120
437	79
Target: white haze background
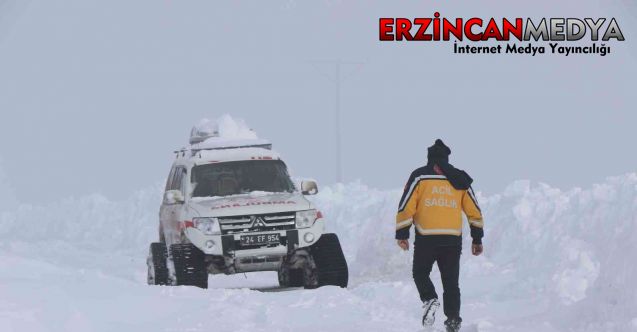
94	95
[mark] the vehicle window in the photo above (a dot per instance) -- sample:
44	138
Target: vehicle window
240	177
169	181
183	181
177	178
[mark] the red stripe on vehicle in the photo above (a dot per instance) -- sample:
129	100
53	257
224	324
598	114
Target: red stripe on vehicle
184	224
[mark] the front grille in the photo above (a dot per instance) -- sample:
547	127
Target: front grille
257	223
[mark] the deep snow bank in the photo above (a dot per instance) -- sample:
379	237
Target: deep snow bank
92	222
575	248
572	247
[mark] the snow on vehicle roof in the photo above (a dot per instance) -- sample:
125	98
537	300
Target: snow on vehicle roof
225	139
225	127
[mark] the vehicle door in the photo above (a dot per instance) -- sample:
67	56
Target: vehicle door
172	210
164	209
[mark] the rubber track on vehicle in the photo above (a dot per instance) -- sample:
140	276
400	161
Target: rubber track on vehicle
330	261
190	265
159	254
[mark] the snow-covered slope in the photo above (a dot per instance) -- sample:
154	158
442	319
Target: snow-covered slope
554	261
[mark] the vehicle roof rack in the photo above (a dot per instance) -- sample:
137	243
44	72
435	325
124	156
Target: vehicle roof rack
194	150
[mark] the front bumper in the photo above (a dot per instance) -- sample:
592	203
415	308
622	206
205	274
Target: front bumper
230	245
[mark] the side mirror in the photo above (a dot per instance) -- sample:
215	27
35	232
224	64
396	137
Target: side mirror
173	197
309	187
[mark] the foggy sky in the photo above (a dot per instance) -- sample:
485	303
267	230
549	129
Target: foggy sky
94	95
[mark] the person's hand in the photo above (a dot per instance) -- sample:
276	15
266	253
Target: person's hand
476	249
403	244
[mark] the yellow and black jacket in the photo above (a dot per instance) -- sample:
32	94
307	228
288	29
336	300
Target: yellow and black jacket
434	206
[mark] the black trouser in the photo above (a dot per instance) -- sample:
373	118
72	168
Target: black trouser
448	259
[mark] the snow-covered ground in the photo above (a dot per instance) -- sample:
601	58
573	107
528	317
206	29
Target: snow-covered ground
554	261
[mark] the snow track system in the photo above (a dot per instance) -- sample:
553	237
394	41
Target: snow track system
190	265
157	268
330	261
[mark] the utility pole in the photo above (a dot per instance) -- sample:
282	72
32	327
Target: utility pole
336	77
337	115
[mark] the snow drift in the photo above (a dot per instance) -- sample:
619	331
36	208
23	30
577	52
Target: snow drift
573	248
569	250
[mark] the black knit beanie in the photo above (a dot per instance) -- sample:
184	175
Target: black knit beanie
438	152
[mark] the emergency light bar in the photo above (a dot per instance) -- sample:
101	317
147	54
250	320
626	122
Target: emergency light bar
200	133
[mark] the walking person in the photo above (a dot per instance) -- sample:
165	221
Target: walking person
433	201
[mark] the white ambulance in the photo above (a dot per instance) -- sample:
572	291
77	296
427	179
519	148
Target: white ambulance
230	207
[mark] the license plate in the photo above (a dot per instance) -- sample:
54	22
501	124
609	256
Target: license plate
260	239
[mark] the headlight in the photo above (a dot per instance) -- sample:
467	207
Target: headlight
305	219
208	226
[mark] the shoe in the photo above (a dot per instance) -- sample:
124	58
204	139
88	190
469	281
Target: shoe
429	316
453	324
